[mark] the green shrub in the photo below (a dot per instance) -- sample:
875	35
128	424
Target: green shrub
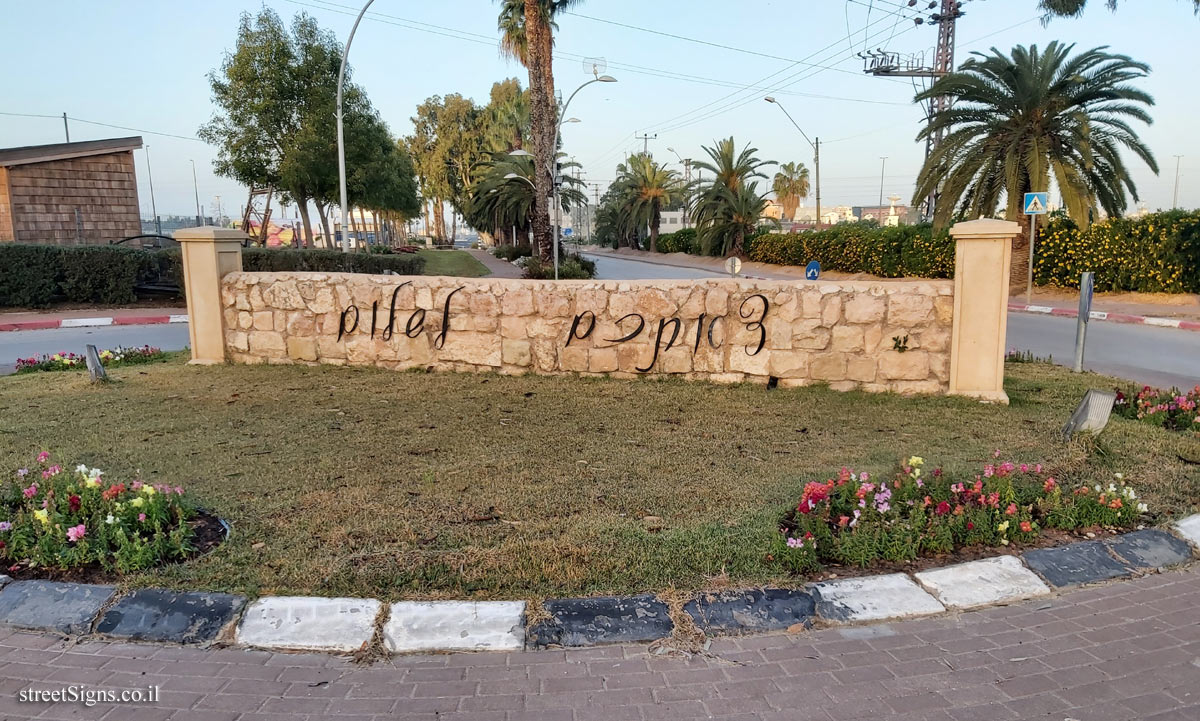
889	252
512	252
1156	253
681	241
29	274
329	261
101	273
570	267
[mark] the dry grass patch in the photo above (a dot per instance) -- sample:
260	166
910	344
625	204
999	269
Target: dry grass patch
361	482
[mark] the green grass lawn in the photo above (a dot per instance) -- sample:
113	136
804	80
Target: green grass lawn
458	263
365	482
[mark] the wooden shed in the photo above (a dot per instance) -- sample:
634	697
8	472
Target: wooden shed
69	193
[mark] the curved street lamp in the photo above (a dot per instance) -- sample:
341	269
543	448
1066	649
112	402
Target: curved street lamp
341	140
687	179
816	153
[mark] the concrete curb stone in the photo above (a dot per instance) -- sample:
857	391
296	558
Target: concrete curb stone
873	598
52	605
757	610
1001	579
604	619
1076	564
309	623
1150	548
154	614
455	626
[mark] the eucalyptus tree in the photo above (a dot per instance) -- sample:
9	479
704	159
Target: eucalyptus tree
1019	120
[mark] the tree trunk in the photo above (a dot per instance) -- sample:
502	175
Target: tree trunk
327	240
453	226
363	224
306	231
655	219
739	240
352	228
543	119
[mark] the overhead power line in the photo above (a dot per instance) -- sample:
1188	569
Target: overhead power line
105	125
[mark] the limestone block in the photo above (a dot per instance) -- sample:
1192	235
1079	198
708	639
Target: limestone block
424	298
831	310
267	343
552	304
847	338
245	320
545	354
810	302
308	289
828	366
328	347
779	334
602	360
573	358
843	386
540	327
632	356
939	363
789	363
593	299
909	388
911	365
487	323
709	359
474	348
861	368
676	360
943	307
727	377
300	323
483	304
621	305
256	298
654	304
303	349
865	308
758	364
716	302
279	320
907	309
237	340
360	349
935	338
872	336
516	302
874	387
241	300
794	382
694	305
809	335
514	327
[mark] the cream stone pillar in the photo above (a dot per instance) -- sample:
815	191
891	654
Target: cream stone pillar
983	251
208	255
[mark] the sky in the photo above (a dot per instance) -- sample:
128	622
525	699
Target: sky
143	65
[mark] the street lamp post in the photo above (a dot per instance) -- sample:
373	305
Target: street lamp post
196	187
153	206
816	146
341	139
687	180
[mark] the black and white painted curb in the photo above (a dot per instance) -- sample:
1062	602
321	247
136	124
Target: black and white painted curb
348	624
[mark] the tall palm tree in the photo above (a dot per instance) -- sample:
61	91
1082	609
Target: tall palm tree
1016	122
1074	8
729	216
527	34
502	203
729	198
649	186
790	185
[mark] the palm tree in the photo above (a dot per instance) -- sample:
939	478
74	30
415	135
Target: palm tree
500	201
728	217
648	186
1074	8
729	198
1017	121
791	184
527	34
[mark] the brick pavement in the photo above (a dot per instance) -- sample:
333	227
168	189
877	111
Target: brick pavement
1129	650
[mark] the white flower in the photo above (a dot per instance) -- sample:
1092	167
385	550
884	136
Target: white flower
1119	476
110	520
1142	508
95	473
1112	488
81	468
1098	488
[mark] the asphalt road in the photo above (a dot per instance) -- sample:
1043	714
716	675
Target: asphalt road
1144	354
25	343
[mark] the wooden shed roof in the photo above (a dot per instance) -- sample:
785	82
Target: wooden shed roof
65	151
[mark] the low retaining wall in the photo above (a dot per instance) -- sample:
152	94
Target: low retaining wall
890	336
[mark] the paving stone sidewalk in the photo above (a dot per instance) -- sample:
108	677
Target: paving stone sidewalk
1128	650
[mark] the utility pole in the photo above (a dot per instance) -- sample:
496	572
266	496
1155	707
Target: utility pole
816	146
66	130
1175	199
153	207
882	165
196	186
645	138
888	64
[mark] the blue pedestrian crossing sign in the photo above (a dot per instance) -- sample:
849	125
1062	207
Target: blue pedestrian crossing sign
1035	203
813	270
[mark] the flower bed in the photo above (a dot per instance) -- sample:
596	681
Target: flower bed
1171	409
54	518
119	356
857	520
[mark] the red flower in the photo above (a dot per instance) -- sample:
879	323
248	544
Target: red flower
113	491
813	494
73	503
942	508
1026	527
843	521
1011	510
970	526
1049	484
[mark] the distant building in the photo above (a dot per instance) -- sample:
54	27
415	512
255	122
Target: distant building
670	221
69	193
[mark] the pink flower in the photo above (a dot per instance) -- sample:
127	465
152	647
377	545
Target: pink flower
1037	468
136	485
22	472
76	532
988	471
43	457
996	454
863	476
1011	510
31	491
179	490
1024	468
142	517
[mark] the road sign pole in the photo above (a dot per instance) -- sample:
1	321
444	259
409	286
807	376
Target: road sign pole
1086	282
1029	275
